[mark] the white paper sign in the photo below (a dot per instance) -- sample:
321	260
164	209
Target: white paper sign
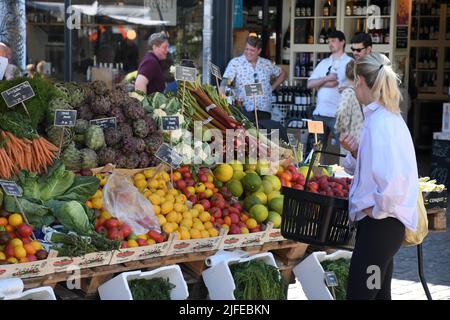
3	66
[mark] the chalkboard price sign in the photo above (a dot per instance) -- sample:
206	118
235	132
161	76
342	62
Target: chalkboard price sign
18	94
215	70
185	74
11	188
440	162
171	123
292	140
254	90
65	118
105	123
169	156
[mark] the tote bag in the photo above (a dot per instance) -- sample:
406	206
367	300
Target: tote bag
413	238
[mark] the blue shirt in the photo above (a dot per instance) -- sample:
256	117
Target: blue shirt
385	172
242	72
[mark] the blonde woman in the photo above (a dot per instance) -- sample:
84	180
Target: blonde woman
384	191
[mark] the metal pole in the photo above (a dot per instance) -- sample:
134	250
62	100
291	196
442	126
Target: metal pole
421	274
207	38
67	44
13	30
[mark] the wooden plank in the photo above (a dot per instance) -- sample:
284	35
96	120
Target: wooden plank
437	221
195	267
90	285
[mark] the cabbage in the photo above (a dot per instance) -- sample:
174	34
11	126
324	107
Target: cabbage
94	138
56	183
73	217
159	99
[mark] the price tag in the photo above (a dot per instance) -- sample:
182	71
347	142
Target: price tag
167	155
185	74
105	123
331	279
254	89
171	123
292	140
18	94
315	127
65	118
215	70
11	188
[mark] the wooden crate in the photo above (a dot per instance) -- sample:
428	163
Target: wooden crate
437	219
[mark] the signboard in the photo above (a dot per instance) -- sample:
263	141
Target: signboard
167	155
315	127
331	279
292	140
440	162
18	94
65	118
11	188
253	90
185	74
215	70
170	123
105	123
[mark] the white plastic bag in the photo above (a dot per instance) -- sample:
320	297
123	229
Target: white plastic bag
124	202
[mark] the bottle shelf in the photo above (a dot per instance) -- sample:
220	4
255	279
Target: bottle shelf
366	16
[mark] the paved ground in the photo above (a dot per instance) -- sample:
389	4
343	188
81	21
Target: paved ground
436	258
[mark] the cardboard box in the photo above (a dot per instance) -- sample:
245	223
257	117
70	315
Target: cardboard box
244	240
140	253
95	259
26	270
103	74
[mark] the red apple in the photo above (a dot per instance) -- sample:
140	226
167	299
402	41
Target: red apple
141	242
256	229
24	230
187	175
234	229
216	212
192	198
113	234
219	203
111	223
126	230
219	221
234	210
206	204
225	212
99	222
180	184
234	218
238	206
9	251
202	178
242	224
31	258
25	240
201	195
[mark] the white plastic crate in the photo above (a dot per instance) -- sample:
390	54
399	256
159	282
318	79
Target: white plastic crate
312	276
12	289
219	280
118	287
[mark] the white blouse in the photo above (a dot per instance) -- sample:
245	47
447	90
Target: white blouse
385	172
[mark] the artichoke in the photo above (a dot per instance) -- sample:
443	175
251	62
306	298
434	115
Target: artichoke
88	159
140	128
54	135
71	158
99	87
153	143
118	114
140	145
121	161
85	112
125	130
94	138
112	136
81	126
129	144
101	106
106	155
144	160
134	111
132	161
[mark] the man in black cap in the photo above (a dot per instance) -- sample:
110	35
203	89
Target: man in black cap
327	78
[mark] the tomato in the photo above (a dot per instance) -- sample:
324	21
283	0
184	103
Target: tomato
155	235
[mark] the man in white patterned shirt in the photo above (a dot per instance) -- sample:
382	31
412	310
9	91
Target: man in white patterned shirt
250	68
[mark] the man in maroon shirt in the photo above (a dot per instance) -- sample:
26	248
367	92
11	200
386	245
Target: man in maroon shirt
150	73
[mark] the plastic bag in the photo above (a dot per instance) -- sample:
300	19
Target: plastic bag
415	238
124	202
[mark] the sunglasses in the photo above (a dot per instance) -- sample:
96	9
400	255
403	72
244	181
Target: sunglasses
357	49
255	75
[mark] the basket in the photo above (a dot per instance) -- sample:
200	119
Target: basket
317	219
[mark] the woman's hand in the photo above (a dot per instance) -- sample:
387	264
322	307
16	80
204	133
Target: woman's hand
350	144
368	212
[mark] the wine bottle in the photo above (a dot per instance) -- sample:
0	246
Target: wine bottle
297	66
297	9
287	46
348	7
309	8
326	9
323	34
310	35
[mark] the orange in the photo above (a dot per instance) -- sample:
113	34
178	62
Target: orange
15	219
209	185
36	244
244	217
29	248
23	260
227	220
9	228
20	252
89	204
3	221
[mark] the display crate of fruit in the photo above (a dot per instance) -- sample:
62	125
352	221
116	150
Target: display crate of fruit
25	270
231	241
140	253
274	235
95	259
197	245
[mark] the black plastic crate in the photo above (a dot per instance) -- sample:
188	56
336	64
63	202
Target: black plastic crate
316	219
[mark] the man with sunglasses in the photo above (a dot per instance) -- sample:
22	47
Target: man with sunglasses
361	45
250	68
326	78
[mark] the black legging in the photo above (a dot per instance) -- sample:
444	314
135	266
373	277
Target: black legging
377	242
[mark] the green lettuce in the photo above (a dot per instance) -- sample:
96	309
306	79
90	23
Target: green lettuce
73	217
56	183
81	190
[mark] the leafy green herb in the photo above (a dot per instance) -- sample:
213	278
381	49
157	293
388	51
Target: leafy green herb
151	289
340	267
18	124
256	280
74	245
